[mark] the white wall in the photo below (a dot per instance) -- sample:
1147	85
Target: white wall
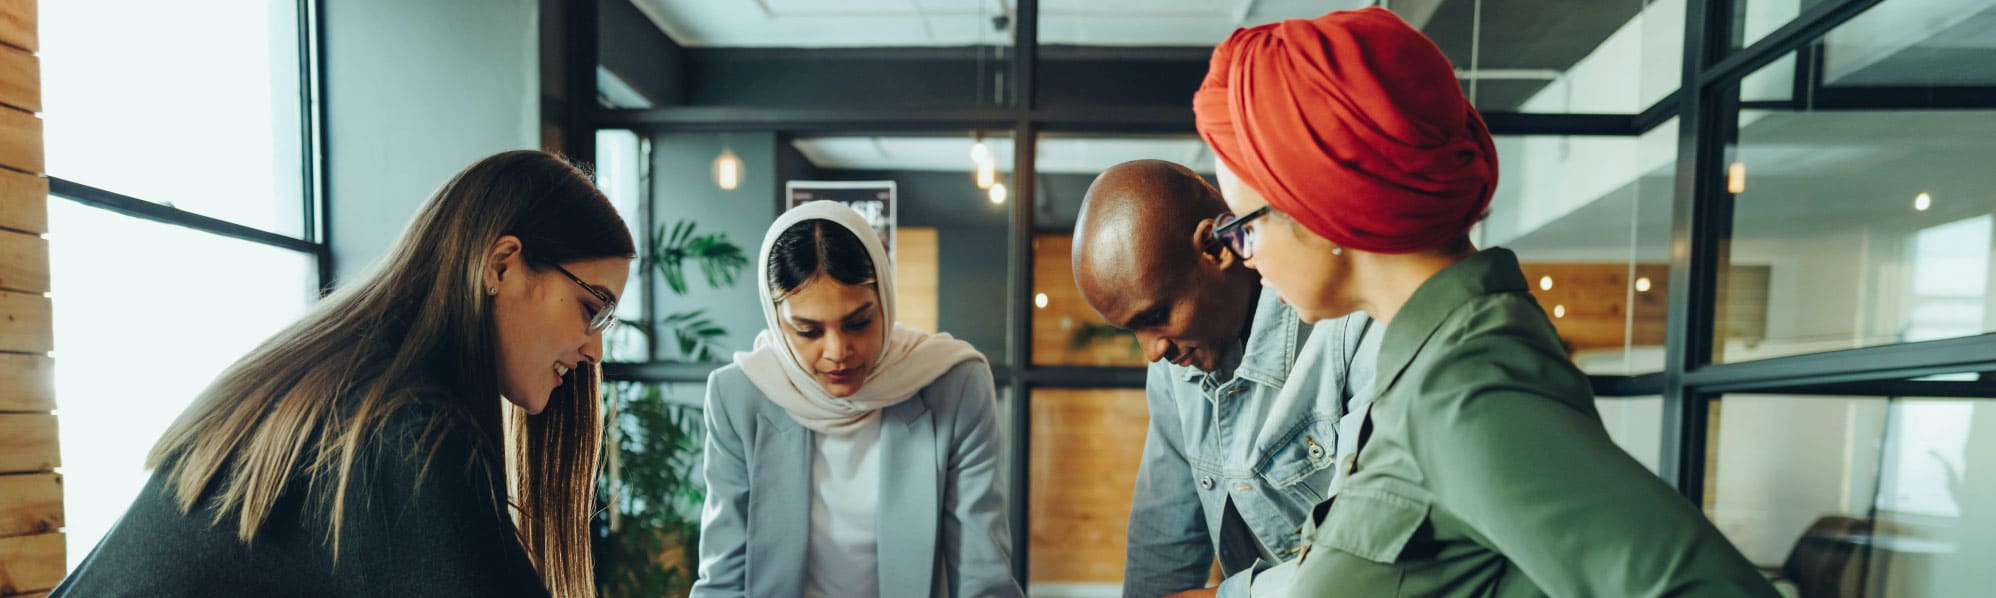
1633	68
416	91
1785	461
1544	178
1892	28
1636	425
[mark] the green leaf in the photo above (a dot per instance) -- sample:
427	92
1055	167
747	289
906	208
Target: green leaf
696	336
720	260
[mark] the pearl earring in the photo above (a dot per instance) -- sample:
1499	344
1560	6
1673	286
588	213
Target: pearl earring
1337	251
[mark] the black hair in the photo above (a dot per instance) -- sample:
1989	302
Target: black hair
813	246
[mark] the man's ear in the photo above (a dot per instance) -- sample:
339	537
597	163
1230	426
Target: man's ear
1210	249
501	259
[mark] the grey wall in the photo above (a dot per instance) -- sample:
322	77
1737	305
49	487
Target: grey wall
683	188
416	91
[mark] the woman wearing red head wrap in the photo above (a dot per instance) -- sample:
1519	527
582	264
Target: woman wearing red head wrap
1355	169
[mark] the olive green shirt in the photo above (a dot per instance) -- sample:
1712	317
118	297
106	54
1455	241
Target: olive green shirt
1485	471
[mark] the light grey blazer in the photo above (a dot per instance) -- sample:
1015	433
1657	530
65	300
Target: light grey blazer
942	524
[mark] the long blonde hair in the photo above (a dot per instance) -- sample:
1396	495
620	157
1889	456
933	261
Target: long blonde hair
305	404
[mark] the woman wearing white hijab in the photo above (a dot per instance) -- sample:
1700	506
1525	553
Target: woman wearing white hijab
847	455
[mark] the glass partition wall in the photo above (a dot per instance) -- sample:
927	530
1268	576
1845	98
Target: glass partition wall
1758	226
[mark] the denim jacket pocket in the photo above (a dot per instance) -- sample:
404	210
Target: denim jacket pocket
1371	523
1308	451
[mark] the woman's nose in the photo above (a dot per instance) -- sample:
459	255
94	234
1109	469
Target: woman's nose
837	346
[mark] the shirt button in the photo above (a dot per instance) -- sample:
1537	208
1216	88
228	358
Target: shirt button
1206	482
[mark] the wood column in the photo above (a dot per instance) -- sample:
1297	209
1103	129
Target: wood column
31	540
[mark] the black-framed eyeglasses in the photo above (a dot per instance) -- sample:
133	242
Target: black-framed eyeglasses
1233	231
605	318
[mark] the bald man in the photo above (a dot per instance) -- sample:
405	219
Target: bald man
1245	398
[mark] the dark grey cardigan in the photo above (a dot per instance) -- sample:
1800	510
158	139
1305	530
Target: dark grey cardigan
413	532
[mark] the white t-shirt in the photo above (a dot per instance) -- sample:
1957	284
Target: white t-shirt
842	558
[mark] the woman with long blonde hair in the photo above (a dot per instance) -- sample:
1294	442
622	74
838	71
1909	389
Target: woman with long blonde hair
430	429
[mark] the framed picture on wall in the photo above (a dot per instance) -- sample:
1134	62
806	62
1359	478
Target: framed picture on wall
874	200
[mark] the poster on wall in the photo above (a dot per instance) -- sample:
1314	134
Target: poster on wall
874	200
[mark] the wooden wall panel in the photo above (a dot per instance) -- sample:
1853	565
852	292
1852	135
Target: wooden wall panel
32	552
20	141
20	79
28	443
1067	331
27	382
30	503
30	563
24	262
1600	314
25	326
17	24
24	202
1085	450
917	270
1597	301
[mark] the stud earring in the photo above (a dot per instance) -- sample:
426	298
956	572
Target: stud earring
1337	251
492	291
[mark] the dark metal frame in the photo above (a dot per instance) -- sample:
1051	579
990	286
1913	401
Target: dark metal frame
1706	107
315	224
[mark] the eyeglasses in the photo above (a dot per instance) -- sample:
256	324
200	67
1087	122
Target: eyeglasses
605	318
1234	232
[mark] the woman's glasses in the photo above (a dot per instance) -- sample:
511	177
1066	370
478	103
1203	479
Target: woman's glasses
605	317
1234	231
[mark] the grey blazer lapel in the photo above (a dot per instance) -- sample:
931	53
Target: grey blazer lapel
910	491
779	507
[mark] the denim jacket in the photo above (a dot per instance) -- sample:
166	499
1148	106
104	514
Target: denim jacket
1262	430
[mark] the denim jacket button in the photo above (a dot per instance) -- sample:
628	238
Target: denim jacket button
1206	482
1316	451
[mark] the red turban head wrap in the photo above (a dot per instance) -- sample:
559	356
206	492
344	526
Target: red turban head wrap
1353	124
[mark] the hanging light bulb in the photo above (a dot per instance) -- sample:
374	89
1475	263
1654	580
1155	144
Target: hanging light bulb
979	152
987	174
998	193
728	170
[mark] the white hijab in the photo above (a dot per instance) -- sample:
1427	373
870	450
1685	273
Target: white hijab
909	362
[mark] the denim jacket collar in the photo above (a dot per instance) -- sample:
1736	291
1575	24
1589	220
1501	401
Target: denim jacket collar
1274	338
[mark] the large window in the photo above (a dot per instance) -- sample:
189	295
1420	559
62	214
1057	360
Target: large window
140	104
1887	498
182	224
1855	221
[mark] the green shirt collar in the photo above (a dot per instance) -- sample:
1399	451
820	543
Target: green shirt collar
1489	271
